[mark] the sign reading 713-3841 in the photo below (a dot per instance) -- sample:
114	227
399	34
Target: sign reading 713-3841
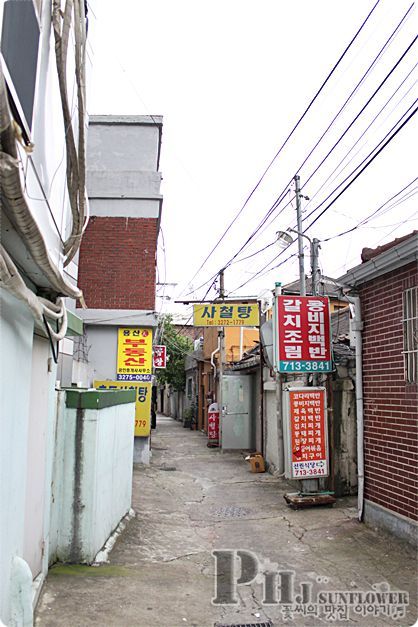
303	329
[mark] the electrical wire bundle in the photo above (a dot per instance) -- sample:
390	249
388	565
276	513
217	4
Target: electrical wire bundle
14	199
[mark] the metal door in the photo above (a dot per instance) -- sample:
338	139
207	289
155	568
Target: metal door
236	413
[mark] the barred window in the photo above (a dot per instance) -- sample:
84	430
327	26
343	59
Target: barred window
189	387
410	334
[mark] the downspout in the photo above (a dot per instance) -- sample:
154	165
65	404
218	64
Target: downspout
212	355
358	328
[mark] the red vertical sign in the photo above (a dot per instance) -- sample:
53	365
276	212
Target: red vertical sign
159	356
303	330
213	428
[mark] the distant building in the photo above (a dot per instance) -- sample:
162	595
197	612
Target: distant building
118	256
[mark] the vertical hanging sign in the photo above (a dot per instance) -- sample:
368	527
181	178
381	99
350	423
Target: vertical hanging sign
306	433
303	336
160	356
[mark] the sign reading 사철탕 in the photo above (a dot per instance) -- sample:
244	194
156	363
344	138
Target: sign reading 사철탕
226	315
303	340
134	360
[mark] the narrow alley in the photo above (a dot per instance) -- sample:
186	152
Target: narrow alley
192	500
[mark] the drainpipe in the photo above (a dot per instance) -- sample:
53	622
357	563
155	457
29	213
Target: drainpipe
357	328
212	355
279	404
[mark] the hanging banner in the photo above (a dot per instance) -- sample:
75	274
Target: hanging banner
226	315
160	356
306	433
142	403
303	335
134	359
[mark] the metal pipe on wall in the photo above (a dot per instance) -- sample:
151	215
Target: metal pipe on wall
358	328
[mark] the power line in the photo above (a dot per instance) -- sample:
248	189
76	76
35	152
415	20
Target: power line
376	211
360	82
331	194
362	170
261	224
398	225
361	110
263	270
338	186
281	196
191	315
359	165
287	138
324	184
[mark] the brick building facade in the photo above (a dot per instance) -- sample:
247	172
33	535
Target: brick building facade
387	284
118	263
390	403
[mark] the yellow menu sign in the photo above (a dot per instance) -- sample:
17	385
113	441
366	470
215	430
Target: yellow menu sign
142	403
226	315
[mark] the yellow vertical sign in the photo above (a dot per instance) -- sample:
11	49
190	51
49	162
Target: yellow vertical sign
142	403
134	351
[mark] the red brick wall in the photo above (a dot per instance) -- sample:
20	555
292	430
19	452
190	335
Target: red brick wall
390	405
117	263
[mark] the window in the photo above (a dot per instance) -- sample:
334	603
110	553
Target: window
20	24
410	334
189	387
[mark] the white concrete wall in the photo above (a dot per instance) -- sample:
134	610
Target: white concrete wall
270	417
96	473
16	336
102	346
45	182
116	141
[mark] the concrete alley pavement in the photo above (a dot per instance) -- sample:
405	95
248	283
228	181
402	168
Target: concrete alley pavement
192	500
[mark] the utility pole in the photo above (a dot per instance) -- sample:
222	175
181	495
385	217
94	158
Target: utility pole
279	401
308	485
302	282
314	265
221	335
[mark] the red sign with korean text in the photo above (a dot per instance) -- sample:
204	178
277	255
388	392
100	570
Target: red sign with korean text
213	427
308	433
160	356
303	329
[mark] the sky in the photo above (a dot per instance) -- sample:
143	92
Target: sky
231	78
